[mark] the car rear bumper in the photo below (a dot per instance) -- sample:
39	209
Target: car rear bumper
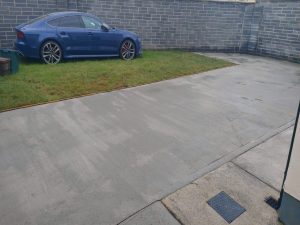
26	50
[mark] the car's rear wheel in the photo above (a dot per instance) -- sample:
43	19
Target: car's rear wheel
51	52
127	50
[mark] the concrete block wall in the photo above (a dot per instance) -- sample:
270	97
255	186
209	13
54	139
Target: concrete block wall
279	29
251	25
269	27
176	23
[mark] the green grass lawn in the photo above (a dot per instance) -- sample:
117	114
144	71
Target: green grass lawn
37	83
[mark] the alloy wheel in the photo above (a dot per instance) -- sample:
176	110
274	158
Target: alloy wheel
127	50
51	53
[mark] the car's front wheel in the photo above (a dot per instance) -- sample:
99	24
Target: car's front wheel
51	52
127	50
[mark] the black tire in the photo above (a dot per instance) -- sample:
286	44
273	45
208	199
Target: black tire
127	50
51	52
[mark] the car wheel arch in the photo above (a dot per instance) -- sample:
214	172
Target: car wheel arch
127	38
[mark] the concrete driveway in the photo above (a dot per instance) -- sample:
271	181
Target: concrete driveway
99	159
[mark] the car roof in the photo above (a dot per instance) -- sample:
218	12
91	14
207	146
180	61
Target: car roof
66	13
52	16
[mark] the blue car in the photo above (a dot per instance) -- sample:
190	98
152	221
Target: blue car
66	35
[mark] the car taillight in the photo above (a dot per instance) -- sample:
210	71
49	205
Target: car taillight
20	35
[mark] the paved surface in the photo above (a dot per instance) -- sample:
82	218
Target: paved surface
99	159
268	160
155	214
190	203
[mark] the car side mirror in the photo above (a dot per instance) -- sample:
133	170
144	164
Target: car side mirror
104	28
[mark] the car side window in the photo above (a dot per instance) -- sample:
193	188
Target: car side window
67	21
54	22
71	21
91	23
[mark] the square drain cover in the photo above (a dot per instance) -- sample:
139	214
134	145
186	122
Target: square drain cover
226	207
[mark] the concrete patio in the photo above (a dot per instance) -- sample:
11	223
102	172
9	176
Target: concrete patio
102	158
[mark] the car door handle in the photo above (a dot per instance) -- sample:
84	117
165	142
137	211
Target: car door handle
63	33
90	33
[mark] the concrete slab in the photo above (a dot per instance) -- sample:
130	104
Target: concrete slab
99	159
189	204
268	160
155	214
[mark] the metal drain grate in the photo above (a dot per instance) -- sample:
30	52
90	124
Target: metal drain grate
272	202
226	207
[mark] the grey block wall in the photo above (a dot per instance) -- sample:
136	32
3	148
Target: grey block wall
279	29
177	23
268	27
